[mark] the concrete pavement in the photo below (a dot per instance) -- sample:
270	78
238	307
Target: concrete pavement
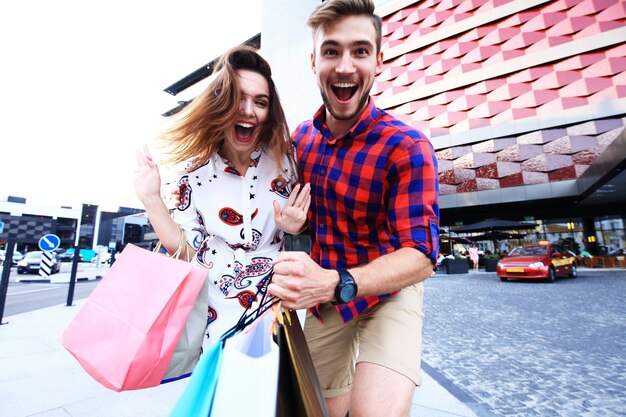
39	378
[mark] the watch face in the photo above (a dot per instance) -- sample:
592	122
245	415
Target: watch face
348	292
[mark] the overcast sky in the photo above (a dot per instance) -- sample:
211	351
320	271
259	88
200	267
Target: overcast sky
82	87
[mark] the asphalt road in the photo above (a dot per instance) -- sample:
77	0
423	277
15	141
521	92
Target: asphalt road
521	349
26	296
23	297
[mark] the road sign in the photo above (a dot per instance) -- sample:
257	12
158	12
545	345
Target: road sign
1	227
45	266
112	245
49	242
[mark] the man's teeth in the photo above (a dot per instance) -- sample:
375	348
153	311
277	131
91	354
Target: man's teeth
344	85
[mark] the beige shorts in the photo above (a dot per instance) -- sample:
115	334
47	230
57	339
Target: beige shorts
389	334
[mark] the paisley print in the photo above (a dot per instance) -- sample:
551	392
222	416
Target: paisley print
281	187
248	246
184	191
227	280
202	228
211	316
258	267
245	298
230	216
232	170
202	250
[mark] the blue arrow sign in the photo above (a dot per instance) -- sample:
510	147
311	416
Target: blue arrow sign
49	242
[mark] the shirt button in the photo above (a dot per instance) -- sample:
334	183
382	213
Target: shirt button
321	226
322	171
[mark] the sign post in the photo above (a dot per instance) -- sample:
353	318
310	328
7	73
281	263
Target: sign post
47	244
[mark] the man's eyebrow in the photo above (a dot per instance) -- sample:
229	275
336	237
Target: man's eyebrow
363	43
331	42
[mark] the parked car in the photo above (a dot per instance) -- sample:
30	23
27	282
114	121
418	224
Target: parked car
32	263
17	256
67	255
538	261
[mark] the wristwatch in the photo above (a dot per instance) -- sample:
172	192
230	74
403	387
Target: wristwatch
346	290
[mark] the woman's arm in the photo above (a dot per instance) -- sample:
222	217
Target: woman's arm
147	185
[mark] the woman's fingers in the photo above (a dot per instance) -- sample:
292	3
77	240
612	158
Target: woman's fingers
299	195
144	158
303	195
141	157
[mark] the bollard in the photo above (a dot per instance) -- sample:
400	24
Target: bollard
70	289
6	272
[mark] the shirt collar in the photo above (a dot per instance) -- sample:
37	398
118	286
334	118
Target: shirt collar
367	117
225	165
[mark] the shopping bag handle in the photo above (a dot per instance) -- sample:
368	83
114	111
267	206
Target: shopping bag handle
248	317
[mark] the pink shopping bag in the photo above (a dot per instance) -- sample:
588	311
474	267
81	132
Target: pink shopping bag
126	333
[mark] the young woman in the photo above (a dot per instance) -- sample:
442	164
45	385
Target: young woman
473	255
239	191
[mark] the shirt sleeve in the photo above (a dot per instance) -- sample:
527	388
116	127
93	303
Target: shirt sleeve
413	198
186	215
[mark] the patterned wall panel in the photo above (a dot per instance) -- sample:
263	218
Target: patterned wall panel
534	158
456	66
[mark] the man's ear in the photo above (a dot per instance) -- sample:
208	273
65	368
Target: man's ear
313	63
379	62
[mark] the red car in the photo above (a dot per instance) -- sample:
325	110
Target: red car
540	261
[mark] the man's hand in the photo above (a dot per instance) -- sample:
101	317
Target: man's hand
292	217
300	282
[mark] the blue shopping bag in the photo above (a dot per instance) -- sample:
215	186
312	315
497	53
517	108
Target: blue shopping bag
197	398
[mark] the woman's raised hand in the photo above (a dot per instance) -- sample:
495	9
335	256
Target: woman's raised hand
292	217
147	180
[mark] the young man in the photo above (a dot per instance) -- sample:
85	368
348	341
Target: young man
374	223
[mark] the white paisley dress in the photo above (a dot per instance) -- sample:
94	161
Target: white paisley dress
229	219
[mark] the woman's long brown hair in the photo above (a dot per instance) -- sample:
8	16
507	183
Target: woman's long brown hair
200	128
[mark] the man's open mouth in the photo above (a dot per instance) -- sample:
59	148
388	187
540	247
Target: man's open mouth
344	91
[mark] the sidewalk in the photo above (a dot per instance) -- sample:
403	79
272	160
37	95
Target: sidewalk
39	378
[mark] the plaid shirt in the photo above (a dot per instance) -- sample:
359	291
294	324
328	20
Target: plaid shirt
373	191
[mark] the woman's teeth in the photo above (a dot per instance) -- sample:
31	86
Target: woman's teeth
244	130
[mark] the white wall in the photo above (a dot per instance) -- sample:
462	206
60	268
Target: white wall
286	44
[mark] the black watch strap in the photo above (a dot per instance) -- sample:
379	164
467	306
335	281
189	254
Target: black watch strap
347	289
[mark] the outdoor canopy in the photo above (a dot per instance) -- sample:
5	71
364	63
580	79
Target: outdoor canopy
492	225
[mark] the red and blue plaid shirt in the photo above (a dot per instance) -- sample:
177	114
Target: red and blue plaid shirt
373	191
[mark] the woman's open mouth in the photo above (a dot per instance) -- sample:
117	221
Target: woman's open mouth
244	131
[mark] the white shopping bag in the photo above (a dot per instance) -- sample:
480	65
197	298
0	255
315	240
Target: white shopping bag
248	379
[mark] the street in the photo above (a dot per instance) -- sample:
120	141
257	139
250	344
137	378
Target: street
27	296
511	349
520	349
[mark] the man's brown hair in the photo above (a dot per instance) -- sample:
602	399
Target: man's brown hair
331	11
